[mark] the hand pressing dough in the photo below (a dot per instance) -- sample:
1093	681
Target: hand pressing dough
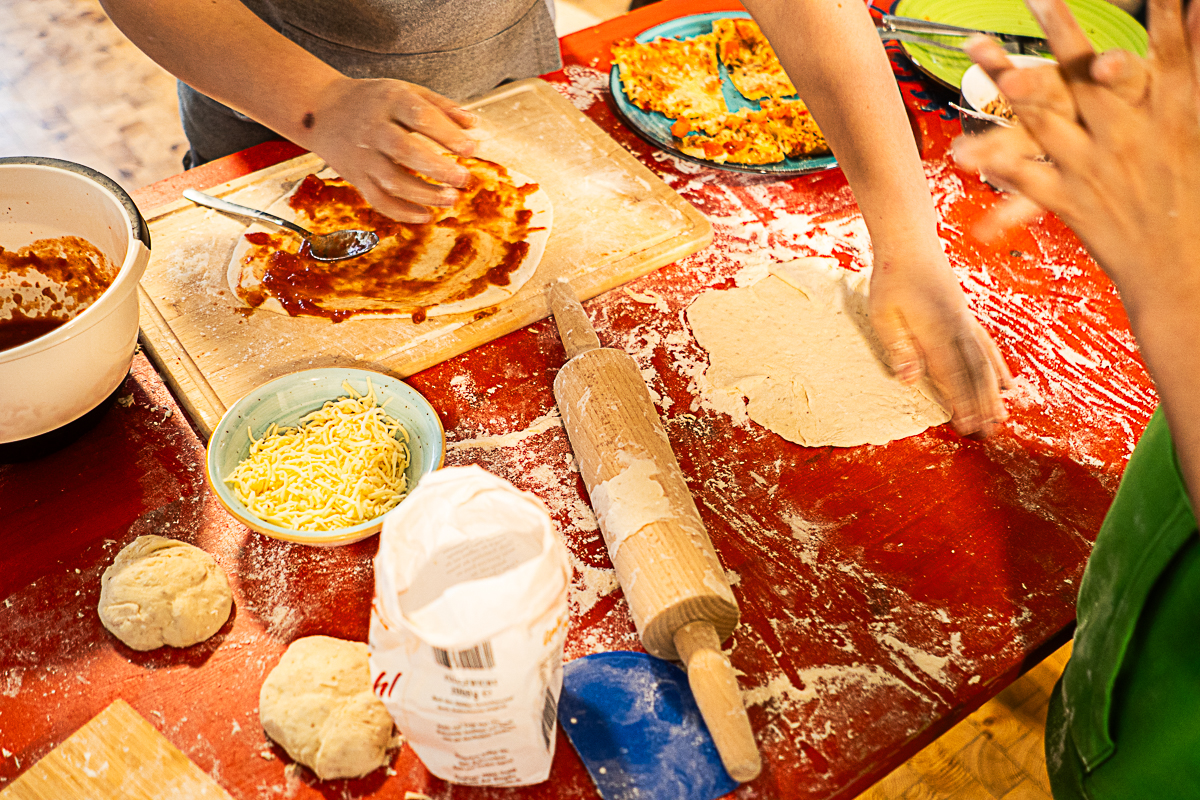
318	704
162	591
799	345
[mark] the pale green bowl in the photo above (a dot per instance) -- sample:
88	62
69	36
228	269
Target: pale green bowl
287	399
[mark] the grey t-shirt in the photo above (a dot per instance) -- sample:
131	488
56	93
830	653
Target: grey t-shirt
458	49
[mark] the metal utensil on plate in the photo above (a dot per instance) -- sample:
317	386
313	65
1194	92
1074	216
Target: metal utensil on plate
993	118
917	31
334	246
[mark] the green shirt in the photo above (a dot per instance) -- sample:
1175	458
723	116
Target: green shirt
1124	720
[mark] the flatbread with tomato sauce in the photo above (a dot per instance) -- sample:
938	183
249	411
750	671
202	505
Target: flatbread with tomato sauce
475	254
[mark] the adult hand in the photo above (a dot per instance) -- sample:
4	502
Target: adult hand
1119	70
1125	175
921	317
1123	139
377	132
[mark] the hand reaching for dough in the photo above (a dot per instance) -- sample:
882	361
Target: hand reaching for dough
921	317
377	133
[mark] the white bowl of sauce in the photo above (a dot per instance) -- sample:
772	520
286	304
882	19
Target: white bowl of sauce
77	242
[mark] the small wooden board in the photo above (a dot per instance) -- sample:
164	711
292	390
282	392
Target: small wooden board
614	220
117	755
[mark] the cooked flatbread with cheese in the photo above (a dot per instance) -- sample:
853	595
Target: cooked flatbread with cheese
472	255
780	129
753	67
793	128
739	138
675	78
682	81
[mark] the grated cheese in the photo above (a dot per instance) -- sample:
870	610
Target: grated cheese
341	466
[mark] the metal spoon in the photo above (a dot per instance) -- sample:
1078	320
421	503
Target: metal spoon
970	112
334	246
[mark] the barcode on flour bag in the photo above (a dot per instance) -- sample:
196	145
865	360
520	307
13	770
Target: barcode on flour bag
478	657
468	625
549	716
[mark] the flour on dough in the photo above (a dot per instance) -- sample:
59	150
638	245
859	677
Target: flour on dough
630	500
162	591
799	346
318	704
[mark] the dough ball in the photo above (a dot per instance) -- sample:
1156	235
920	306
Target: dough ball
162	591
318	705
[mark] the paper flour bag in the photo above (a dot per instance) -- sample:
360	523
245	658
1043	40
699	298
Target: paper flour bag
467	627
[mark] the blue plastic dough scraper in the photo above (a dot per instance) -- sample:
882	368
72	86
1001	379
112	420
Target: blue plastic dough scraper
635	724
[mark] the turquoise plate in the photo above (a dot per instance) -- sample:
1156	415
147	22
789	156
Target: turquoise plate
656	128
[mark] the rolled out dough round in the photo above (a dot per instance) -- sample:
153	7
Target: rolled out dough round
799	346
162	591
318	704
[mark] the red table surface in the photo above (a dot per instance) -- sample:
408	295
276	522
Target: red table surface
885	592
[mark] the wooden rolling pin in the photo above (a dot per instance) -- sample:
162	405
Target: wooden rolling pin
674	583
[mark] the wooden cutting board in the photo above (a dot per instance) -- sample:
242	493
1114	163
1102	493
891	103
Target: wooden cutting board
614	220
117	755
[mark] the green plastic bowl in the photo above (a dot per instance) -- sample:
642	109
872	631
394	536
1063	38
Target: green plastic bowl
285	401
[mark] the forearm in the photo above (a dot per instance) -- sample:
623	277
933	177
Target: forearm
1167	331
222	49
833	56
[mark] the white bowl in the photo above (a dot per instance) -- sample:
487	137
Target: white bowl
58	378
977	90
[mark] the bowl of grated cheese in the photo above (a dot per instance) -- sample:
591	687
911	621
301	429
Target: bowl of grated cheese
320	456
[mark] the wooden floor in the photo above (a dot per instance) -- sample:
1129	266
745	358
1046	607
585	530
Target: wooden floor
997	752
72	87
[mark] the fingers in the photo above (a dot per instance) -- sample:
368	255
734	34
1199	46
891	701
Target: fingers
1075	56
973	152
1011	212
1124	73
980	390
389	138
966	374
1173	57
1067	40
978	155
418	109
387	201
1038	87
921	320
1031	86
1003	376
451	109
963	372
403	196
988	54
1166	28
902	353
419	155
1006	161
